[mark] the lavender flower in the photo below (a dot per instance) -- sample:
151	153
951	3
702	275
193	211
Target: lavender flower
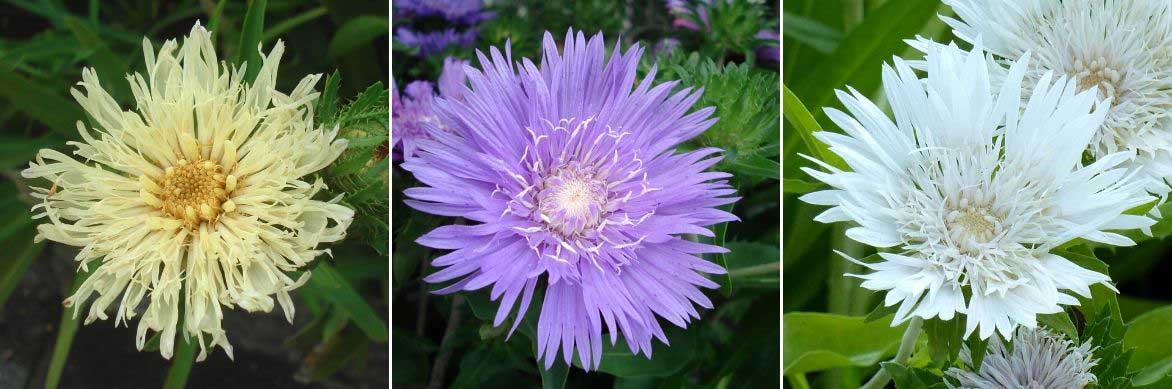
769	52
467	12
432	42
567	173
413	116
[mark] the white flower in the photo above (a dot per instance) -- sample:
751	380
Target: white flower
974	190
1040	359
1123	47
196	198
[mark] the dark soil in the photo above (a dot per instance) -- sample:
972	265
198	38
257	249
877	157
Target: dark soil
104	356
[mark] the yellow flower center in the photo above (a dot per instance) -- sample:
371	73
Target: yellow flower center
193	192
971	225
1098	74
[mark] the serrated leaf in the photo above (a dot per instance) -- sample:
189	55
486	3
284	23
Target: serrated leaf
1060	322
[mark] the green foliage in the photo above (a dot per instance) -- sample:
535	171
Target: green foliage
820	341
1105	333
360	173
1147	335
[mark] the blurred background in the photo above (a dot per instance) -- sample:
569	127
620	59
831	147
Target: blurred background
728	47
338	339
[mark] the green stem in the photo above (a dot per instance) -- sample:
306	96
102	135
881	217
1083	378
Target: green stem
181	362
768	268
905	351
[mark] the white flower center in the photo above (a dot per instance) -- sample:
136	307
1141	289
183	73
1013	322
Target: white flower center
1098	73
192	192
971	225
571	200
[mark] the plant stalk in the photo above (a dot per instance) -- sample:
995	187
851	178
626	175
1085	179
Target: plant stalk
905	351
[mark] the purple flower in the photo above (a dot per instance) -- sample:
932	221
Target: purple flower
452	79
413	116
665	45
769	51
432	42
467	12
567	174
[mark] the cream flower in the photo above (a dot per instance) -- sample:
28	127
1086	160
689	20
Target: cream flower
198	198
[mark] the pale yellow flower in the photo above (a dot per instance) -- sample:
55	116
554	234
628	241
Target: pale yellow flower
199	197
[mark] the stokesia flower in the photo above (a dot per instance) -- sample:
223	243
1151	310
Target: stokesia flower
197	198
466	12
1122	47
973	190
1039	359
568	175
413	115
431	42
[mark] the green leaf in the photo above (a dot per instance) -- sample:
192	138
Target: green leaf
480	365
1060	322
248	50
327	104
181	364
810	32
805	125
817	341
977	348
293	22
756	166
356	33
904	377
1105	334
857	59
555	376
65	333
797	186
1148	334
753	264
57	113
944	339
618	361
18	151
110	67
13	268
338	291
339	349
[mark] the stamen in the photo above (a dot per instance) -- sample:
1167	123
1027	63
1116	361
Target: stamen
191	192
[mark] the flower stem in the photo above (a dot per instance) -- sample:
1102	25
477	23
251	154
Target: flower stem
905	351
767	268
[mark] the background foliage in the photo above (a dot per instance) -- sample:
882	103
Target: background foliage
830	44
450	339
44	45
